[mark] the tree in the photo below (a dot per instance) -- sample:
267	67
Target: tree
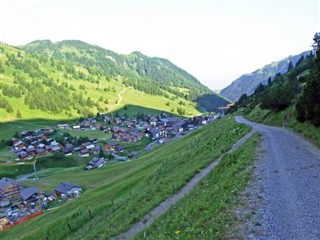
290	66
18	114
308	105
101	153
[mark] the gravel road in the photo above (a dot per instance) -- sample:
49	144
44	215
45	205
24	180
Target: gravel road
288	174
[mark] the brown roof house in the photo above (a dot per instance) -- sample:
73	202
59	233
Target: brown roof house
68	189
9	188
30	195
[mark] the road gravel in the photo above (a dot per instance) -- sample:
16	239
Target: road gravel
288	174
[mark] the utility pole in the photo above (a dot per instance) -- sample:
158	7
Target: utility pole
37	184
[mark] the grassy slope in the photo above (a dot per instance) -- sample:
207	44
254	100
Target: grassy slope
277	119
134	187
92	89
207	212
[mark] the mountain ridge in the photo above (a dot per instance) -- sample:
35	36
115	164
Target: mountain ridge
247	83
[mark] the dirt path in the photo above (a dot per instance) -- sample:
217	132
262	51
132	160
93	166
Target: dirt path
164	206
111	107
287	177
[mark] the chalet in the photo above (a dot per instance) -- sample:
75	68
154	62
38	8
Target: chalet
117	129
47	130
110	146
18	145
41	145
118	121
153	133
63	126
31	150
129	123
30	195
95	163
67	151
23	155
106	119
68	146
119	148
153	121
25	134
105	129
9	187
76	127
84	153
167	122
92	120
87	145
68	189
4	201
77	149
41	151
55	149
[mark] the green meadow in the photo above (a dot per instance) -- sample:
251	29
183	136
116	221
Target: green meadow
118	195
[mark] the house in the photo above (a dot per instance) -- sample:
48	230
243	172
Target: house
30	195
31	150
68	189
87	145
63	126
67	151
23	155
41	151
84	153
95	163
110	146
18	145
76	127
4	201
119	148
48	130
9	188
105	129
76	149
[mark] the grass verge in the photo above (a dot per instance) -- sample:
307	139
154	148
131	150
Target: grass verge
277	119
207	212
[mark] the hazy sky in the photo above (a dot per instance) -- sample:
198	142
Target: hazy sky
216	41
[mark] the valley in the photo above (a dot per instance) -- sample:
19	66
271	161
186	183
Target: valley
129	146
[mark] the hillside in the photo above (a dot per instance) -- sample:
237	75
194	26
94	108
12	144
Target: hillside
247	83
70	79
290	100
118	195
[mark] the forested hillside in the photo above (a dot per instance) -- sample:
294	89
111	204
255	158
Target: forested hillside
291	99
72	78
247	83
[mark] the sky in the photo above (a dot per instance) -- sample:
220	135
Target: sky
215	41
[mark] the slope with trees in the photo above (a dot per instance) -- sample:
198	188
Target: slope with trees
247	83
291	99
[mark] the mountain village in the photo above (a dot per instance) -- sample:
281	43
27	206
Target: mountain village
19	204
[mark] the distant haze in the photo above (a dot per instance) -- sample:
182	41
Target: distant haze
216	41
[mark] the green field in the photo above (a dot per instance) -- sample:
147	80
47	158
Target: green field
118	195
